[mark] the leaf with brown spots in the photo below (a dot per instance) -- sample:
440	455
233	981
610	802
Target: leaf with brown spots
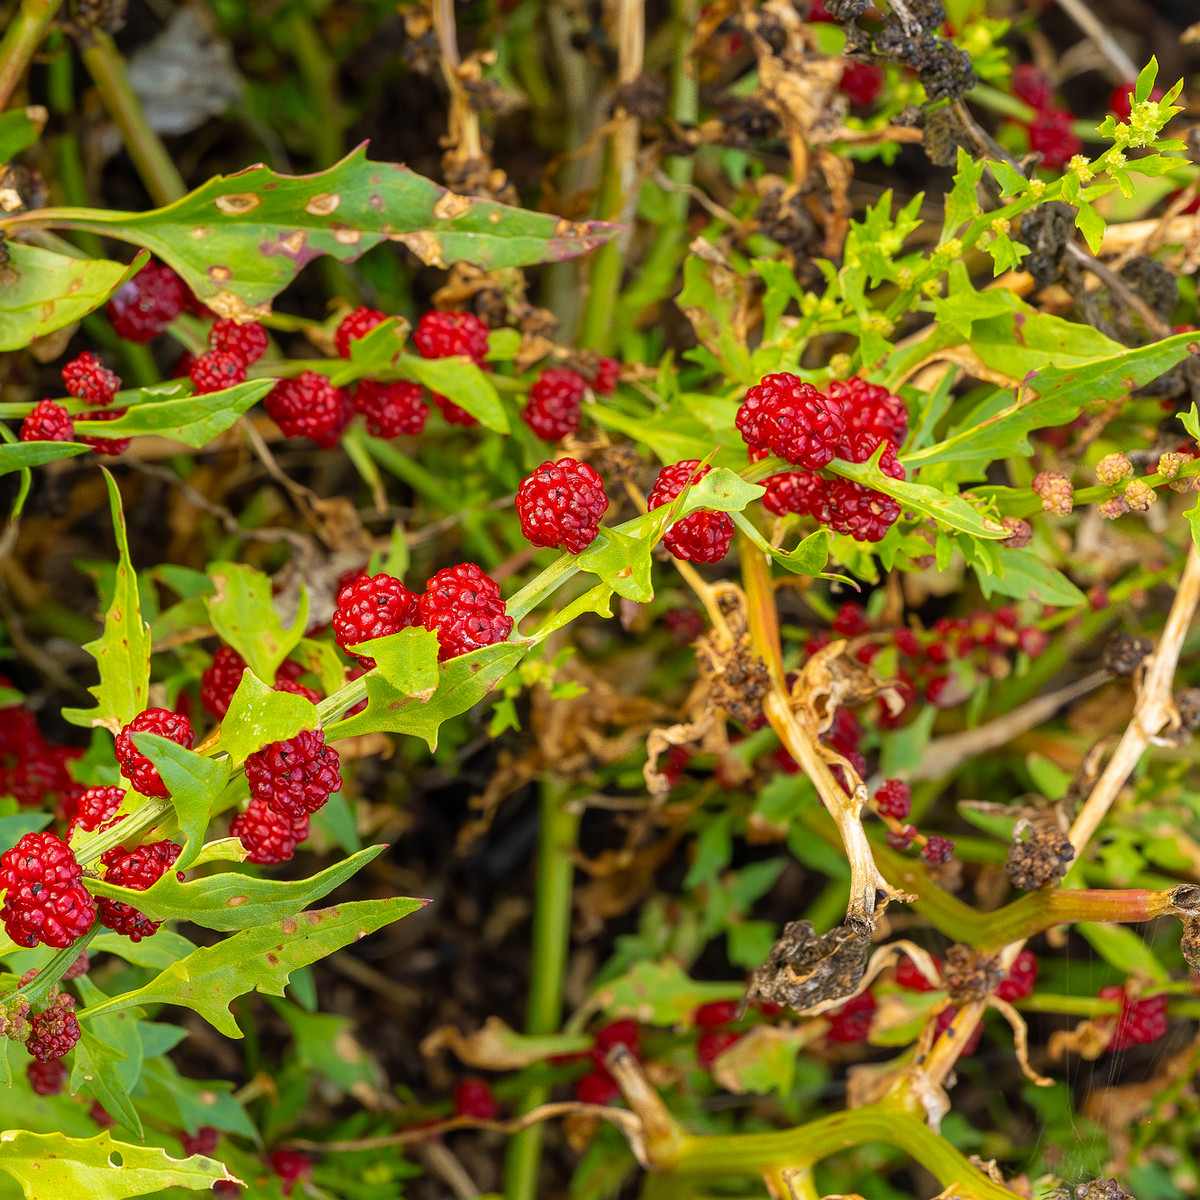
260	960
239	240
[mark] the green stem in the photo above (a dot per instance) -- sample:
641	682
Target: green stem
21	40
48	978
154	165
551	941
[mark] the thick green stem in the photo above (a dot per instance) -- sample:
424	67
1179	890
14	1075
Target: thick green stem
551	940
21	40
154	165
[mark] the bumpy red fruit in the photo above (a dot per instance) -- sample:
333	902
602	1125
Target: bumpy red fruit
44	898
445	334
1051	135
617	1033
474	1098
47	1078
48	422
702	536
561	504
54	1031
247	342
553	410
1021	977
454	414
719	1012
608	374
358	324
799	492
298	689
852	1022
295	777
113	446
373	606
391	409
907	976
894	799
329	437
937	849
291	1166
269	836
1141	1021
148	303
596	1087
138	869
1033	86
865	514
712	1043
1121	103
95	808
88	379
790	418
868	408
463	605
135	766
861	84
306	406
215	371
220	680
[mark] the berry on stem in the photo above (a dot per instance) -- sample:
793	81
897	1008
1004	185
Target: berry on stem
373	606
561	503
215	371
135	766
113	446
203	1141
1021	977
473	1098
717	1012
269	836
852	1022
291	1166
894	799
354	326
48	422
553	410
47	1078
445	334
1141	1021
95	807
88	379
308	406
391	409
597	1087
54	1031
144	306
137	869
909	977
464	606
790	418
712	1043
701	536
247	342
44	896
937	849
295	777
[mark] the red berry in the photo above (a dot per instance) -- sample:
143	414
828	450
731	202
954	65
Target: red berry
54	1031
712	1043
608	374
291	1166
718	1012
464	606
906	641
850	621
1141	1021
1021	977
861	84
561	504
148	303
907	976
138	869
452	412
269	836
329	437
357	325
868	408
702	536
445	334
553	410
1052	137
307	406
203	1141
799	492
937	849
1120	103
45	900
903	839
48	422
894	799
113	446
790	418
768	1008
135	766
298	689
1033	86
597	1087
220	680
865	514
295	777
47	1078
617	1033
1032	640
95	807
247	342
473	1098
373	606
87	378
852	1022
391	409
215	371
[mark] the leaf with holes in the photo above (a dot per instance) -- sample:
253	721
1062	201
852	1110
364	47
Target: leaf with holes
259	960
240	239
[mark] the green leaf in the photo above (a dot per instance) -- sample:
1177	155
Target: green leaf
157	952
194	783
1145	81
1027	574
596	600
193	420
240	239
234	901
1122	948
461	380
408	660
41	291
108	1062
623	561
464	682
17	456
721	490
808	558
243	613
659	993
189	1103
325	1043
52	1166
258	715
258	960
122	651
20	128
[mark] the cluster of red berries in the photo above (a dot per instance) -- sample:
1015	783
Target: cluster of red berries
33	770
86	378
221	678
702	536
135	766
714	1037
146	304
1050	132
598	1086
137	869
1140	1021
54	1031
232	348
461	604
44	897
789	418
